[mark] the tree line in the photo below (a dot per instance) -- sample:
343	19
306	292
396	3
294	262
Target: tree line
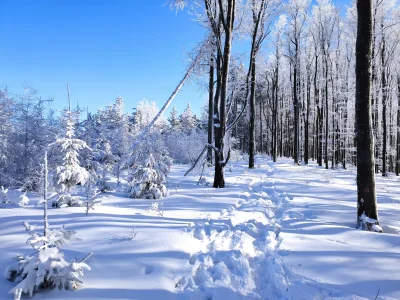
293	90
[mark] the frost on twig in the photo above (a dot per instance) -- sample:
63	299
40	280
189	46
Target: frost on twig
131	234
156	208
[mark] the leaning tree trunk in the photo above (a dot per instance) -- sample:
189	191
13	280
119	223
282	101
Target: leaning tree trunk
367	213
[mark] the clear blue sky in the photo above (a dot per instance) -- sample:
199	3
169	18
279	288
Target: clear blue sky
102	49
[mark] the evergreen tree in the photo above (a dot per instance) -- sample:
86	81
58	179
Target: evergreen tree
149	166
173	119
70	172
187	119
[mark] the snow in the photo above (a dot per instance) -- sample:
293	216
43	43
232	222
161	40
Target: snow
278	231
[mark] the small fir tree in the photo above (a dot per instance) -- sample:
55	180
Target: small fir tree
173	119
187	119
150	165
70	173
45	267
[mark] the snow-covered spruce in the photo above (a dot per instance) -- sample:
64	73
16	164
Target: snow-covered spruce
150	165
106	159
70	172
46	266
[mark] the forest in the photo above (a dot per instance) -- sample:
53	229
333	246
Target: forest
271	192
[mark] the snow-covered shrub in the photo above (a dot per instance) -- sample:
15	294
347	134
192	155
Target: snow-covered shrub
46	266
147	181
70	172
24	200
156	208
32	183
204	182
4	196
102	183
5	200
66	200
185	146
149	165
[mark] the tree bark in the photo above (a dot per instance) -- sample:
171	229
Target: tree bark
220	126
366	196
384	105
252	142
210	109
398	128
306	125
326	112
45	217
296	107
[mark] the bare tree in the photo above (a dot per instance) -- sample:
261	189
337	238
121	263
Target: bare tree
367	213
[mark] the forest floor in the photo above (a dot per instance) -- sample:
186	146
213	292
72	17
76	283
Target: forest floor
278	231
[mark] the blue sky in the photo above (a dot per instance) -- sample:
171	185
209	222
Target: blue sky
102	49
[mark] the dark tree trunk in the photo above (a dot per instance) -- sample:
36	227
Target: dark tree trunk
275	96
281	139
261	127
334	111
220	126
252	142
257	38
398	128
326	113
374	100
306	125
296	108
210	109
319	113
366	196
384	105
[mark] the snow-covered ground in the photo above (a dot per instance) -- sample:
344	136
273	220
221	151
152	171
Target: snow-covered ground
275	232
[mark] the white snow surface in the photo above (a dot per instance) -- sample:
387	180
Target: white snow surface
278	231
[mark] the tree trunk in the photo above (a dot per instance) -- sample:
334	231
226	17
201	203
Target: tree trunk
261	127
45	219
252	142
210	109
306	138
296	108
220	125
326	112
398	128
384	105
366	196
